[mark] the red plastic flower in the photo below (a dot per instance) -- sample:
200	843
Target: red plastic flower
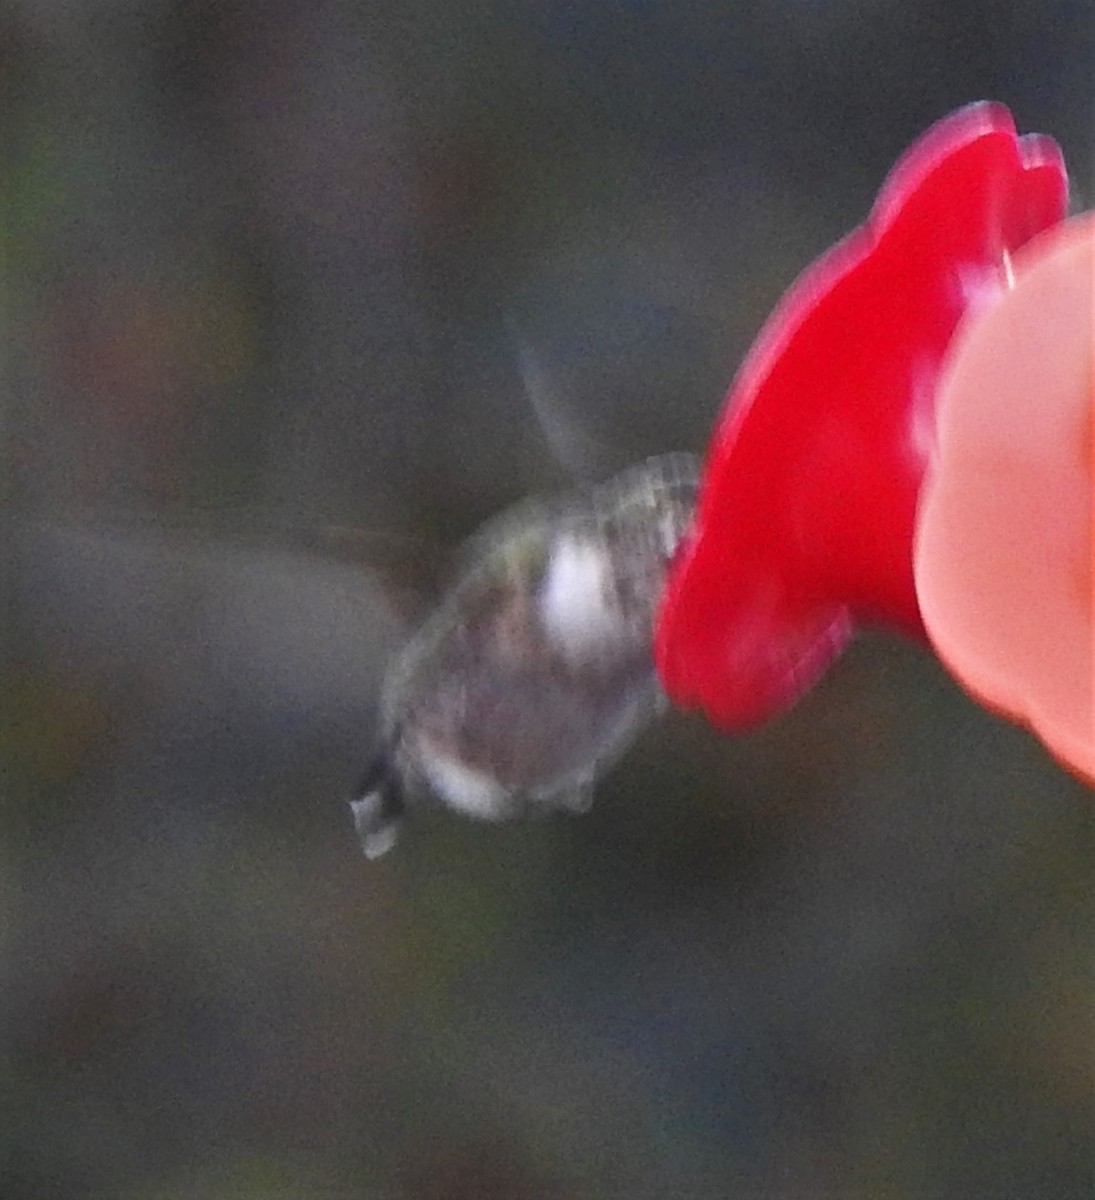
806	514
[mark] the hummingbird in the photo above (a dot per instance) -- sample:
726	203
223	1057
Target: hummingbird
535	671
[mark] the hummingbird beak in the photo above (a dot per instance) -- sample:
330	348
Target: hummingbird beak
378	809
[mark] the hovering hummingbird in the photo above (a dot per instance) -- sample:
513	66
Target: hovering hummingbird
535	671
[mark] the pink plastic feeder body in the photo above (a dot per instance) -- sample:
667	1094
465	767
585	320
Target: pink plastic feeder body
806	514
1005	533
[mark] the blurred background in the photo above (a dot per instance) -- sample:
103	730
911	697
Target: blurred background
264	263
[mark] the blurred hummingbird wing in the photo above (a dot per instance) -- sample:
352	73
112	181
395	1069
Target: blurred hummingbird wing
574	448
410	569
268	635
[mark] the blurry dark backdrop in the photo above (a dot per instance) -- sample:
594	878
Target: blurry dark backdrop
264	263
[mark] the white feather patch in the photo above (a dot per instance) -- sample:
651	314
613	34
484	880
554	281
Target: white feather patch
574	604
472	792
